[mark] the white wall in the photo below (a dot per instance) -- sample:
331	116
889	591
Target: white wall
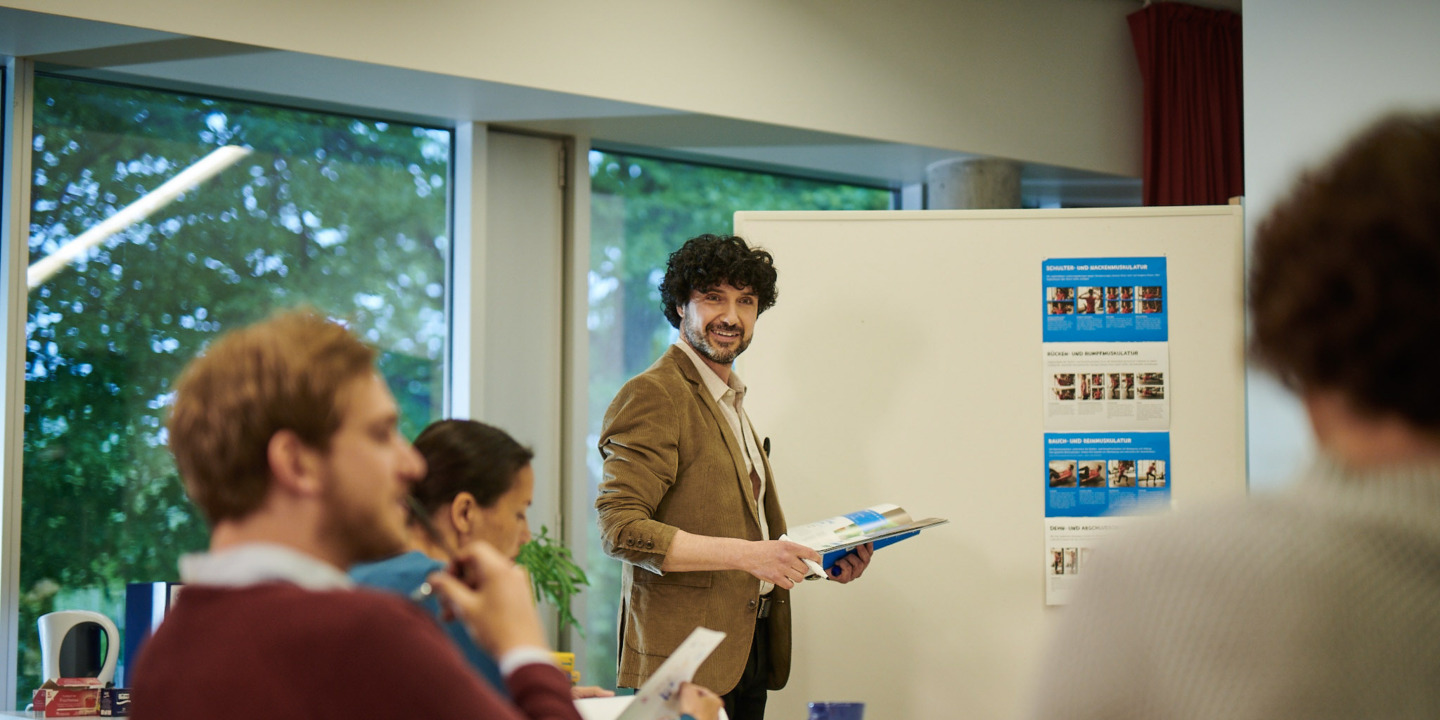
1049	81
522	347
1315	72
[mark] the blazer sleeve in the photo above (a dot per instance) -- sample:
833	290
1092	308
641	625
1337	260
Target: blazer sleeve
640	448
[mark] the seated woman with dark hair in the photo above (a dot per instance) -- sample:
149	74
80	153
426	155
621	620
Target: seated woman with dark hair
478	485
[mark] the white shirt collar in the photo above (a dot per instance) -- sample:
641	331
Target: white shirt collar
256	563
713	383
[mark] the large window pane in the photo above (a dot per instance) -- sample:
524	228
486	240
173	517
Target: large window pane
345	214
642	209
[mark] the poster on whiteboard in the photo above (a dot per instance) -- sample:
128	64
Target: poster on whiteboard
1070	544
1117	299
1106	387
1096	483
1094	474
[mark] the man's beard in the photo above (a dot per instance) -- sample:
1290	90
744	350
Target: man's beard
357	534
700	342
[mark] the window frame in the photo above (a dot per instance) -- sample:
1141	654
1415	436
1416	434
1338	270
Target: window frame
783	171
19	79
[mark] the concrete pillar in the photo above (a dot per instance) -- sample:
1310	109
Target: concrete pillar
979	183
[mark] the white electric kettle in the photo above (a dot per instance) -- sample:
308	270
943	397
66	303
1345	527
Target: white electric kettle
70	645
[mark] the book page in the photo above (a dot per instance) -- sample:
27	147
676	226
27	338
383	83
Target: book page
842	529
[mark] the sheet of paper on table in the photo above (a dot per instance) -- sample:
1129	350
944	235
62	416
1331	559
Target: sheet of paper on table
653	700
609	708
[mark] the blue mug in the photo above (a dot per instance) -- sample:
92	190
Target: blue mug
837	711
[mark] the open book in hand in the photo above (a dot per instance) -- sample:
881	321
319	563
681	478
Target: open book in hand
834	537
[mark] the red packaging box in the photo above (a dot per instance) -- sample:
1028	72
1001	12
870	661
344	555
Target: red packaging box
69	697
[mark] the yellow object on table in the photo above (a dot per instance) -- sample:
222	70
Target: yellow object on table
566	661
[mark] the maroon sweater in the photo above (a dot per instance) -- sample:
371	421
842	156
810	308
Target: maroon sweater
277	651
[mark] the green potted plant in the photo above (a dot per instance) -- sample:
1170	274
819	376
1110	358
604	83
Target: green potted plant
554	576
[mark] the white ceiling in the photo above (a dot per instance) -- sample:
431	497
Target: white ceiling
115	52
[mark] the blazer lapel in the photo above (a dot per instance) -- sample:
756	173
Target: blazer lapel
702	395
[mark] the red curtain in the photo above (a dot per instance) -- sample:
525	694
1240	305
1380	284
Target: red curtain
1190	63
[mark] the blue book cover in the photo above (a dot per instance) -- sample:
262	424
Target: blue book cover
836	537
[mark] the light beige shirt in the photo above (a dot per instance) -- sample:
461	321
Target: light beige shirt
730	396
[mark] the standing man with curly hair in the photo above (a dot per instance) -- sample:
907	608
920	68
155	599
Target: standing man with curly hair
1322	601
688	500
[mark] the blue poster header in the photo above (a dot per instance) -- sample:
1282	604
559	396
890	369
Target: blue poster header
1092	474
1099	299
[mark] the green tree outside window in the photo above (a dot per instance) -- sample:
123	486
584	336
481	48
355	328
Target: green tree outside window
348	215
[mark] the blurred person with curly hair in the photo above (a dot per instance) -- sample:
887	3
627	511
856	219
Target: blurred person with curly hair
688	499
1322	601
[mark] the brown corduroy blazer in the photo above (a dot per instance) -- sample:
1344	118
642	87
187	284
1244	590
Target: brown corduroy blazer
671	462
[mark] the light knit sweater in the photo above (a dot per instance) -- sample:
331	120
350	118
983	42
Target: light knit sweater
1319	602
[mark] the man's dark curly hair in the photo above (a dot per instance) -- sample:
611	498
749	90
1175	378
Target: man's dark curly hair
1345	287
708	261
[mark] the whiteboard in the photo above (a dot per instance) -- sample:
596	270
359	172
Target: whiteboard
902	363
